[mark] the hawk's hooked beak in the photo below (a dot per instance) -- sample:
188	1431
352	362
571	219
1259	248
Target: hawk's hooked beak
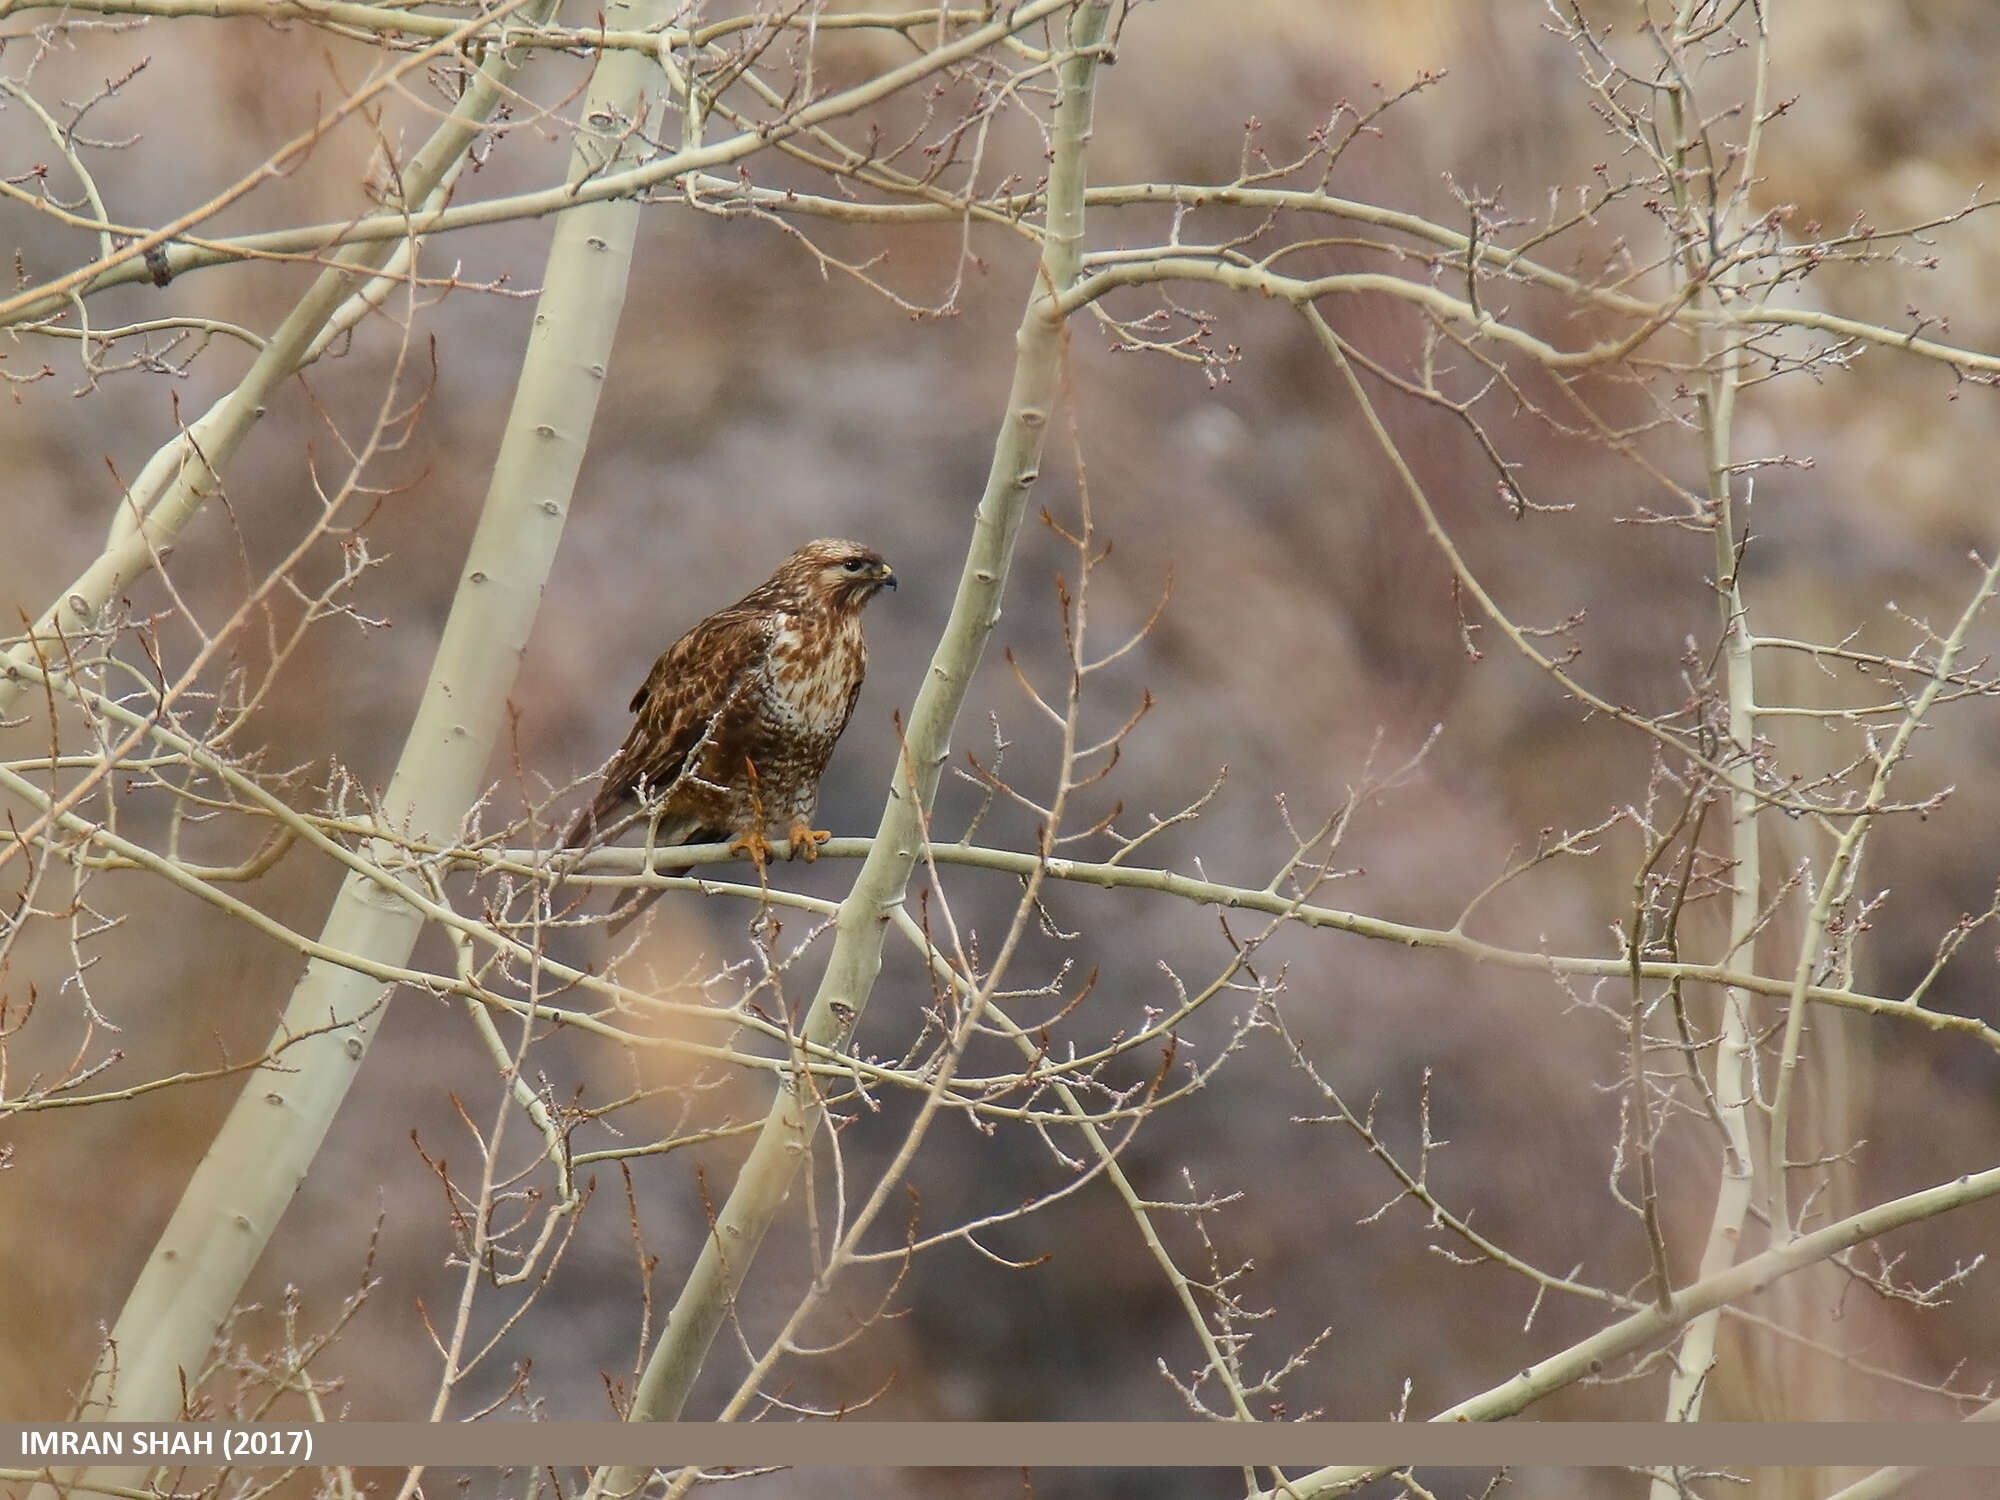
885	575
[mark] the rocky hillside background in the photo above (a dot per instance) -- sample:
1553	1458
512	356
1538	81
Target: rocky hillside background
755	403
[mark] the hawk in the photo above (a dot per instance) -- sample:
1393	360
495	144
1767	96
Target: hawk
738	717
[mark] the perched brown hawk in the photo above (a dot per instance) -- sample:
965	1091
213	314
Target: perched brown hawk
739	716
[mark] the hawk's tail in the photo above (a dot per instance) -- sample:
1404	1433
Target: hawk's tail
594	818
611	814
631	904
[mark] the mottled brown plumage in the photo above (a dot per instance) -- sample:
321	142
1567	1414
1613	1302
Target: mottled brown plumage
738	717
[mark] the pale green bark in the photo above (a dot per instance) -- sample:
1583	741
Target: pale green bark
784	1144
1734	1074
185	473
1646	1328
267	1144
622	183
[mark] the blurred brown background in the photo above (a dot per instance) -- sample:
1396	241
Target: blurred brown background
754	404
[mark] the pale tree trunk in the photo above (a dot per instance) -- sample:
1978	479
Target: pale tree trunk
784	1143
266	1145
186	473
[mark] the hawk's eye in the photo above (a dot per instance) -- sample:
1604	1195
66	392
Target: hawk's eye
854	565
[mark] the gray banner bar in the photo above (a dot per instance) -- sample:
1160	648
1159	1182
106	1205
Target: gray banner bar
1004	1445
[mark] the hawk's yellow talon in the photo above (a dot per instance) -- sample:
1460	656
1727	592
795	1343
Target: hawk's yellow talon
806	839
753	843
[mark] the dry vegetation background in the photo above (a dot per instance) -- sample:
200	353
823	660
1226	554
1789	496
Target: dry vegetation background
753	403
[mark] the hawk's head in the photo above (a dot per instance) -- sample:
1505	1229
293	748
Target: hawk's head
837	574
